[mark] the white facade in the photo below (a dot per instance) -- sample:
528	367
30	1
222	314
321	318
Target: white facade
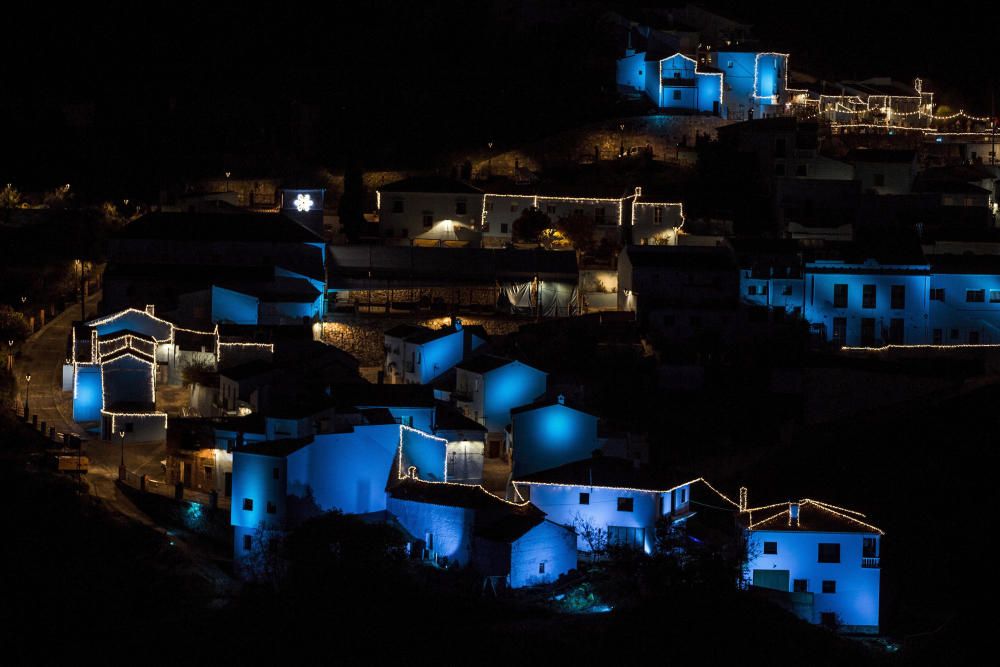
410	214
852	584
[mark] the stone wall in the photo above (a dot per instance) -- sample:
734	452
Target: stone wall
363	336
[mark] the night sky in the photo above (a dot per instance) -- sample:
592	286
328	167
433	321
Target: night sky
121	103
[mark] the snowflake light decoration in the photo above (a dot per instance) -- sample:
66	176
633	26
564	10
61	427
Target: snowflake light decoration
303	203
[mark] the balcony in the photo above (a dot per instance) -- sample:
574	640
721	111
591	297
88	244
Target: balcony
870	562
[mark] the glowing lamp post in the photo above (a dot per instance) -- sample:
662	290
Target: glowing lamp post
121	466
27	391
10	355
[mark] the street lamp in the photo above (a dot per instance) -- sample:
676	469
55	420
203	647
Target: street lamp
27	390
10	355
228	174
121	466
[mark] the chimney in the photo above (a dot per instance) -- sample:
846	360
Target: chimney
561	399
793	515
457	322
151	309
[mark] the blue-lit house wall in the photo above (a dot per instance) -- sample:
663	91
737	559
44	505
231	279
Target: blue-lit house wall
957	316
549	436
437	356
258	499
509	387
318	307
128	379
343	471
772	292
542	555
418	417
856	600
562	504
426	453
445	530
911	320
770	77
631	71
678	83
87	393
234	307
738	73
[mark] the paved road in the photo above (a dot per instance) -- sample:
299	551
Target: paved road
42	357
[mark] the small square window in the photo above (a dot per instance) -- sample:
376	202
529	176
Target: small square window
584	498
248	504
677	94
800	586
625	504
995	296
503	227
541	568
460	207
770	548
829	586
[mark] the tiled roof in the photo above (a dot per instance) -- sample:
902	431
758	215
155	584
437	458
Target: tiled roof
814	516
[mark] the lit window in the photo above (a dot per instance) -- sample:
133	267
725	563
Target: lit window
994	296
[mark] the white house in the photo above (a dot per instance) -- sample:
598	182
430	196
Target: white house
417	355
413	206
825	559
613	497
883	171
548	434
488	387
464	525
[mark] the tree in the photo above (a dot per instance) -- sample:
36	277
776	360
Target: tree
13	326
594	536
265	563
199	371
579	229
57	198
9	198
529	227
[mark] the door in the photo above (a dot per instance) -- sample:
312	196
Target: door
774	579
229	484
186	474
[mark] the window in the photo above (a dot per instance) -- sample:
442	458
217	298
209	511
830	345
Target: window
460	208
869	547
898	297
752	290
786	290
428	219
677	74
275	473
868	296
503	227
840	296
896	330
829	586
677	94
584	498
620	536
937	294
829	552
975	295
397	205
995	296
550	209
247	543
271	508
729	64
658	215
599	215
800	585
771	548
683	496
248	504
541	568
625	504
867	331
840	329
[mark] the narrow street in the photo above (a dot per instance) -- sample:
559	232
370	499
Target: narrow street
42	357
